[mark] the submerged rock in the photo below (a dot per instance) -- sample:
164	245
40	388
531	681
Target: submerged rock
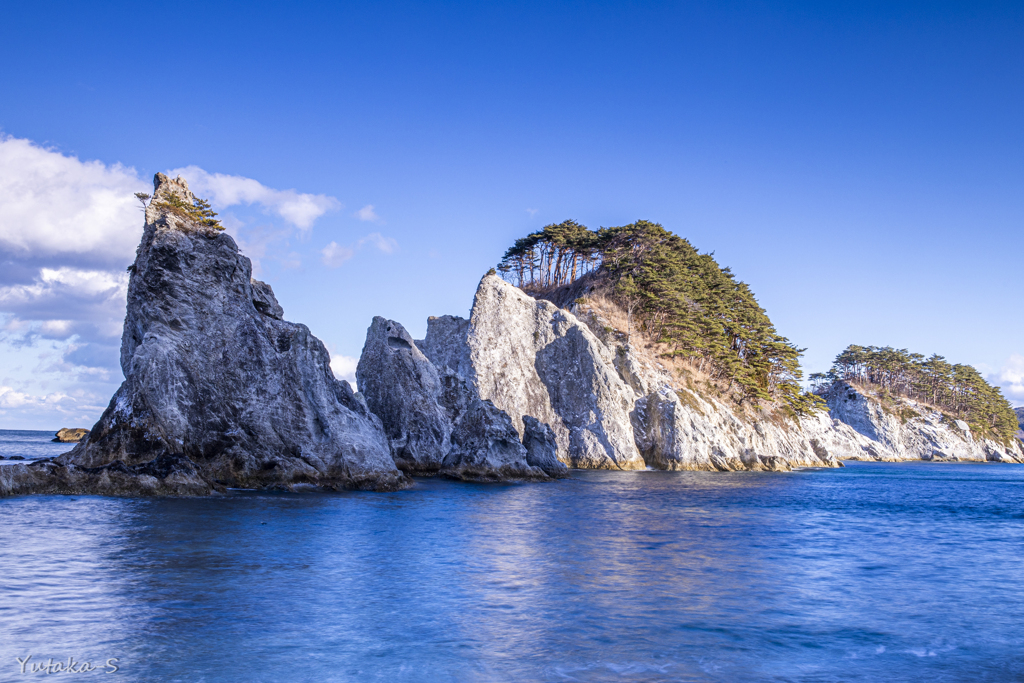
218	391
66	435
402	388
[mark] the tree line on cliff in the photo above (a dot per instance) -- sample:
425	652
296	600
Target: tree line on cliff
673	295
958	390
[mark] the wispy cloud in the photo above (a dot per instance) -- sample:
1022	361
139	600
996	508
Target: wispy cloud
385	244
532	212
1011	379
298	208
334	254
367	213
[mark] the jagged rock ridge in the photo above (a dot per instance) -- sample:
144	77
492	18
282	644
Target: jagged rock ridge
219	390
435	422
609	404
577	399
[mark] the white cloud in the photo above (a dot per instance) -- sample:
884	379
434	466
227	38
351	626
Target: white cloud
385	244
65	301
532	212
24	410
344	367
299	209
367	214
68	229
335	254
1011	379
11	398
53	205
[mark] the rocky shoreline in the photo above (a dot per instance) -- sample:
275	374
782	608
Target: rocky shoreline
221	392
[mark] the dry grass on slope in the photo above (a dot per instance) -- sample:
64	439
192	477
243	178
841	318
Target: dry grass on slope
590	300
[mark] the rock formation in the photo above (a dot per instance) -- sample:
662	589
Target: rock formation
908	430
219	390
66	435
542	447
677	428
436	423
530	357
577	392
402	388
486	447
575	395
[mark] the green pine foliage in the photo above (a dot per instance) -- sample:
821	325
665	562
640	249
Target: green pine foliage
199	213
958	390
673	295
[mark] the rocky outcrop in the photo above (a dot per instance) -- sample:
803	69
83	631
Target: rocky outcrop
402	388
903	429
542	447
219	391
676	428
66	435
486	447
577	395
530	357
436	422
1020	422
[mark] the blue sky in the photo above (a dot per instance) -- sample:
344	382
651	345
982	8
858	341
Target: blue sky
861	165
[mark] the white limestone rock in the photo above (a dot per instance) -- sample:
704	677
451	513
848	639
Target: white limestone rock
531	358
542	447
402	388
678	429
920	433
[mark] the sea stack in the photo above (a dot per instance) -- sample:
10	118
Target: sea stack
219	390
70	435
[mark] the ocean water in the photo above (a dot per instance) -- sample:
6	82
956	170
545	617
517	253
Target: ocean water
875	572
30	445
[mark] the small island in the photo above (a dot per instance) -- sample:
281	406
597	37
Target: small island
70	435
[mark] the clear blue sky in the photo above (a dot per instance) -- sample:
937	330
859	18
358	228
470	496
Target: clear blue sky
861	165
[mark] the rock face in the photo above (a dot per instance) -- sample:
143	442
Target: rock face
542	447
436	422
577	396
486	447
1020	422
678	429
530	357
219	391
67	435
402	388
915	433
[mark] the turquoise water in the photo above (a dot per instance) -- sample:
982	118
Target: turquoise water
875	572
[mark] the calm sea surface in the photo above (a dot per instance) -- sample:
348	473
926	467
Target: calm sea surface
876	572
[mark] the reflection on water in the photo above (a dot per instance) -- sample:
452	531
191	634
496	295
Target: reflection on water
876	572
